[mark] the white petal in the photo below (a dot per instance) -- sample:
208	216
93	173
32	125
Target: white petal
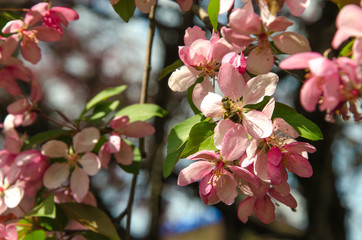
55	175
54	149
85	140
90	163
79	184
13	196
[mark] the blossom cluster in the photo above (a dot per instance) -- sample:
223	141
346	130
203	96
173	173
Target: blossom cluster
57	166
254	151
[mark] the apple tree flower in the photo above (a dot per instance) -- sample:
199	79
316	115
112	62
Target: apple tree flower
237	95
202	58
117	146
10	193
80	162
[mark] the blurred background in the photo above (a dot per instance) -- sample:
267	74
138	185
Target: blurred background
100	50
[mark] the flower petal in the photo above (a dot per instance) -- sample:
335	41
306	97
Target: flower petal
125	155
264	210
246	209
181	79
230	81
194	172
139	129
211	105
257	124
90	163
54	149
291	43
13	196
85	140
258	87
55	175
79	184
234	143
260	60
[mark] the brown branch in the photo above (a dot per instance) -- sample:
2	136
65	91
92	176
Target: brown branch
143	99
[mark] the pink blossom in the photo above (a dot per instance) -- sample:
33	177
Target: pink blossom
348	25
260	59
58	173
12	69
28	36
117	146
54	17
10	194
8	231
185	5
202	58
238	95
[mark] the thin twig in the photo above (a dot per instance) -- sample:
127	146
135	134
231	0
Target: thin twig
204	16
54	121
143	99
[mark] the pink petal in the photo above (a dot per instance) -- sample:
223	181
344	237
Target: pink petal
299	60
283	188
181	79
9	46
113	145
297	7
13	27
219	49
279	24
246	209
288	200
299	147
139	129
30	50
274	174
79	184
291	43
347	24
221	128
264	210
13	195
357	51
251	22
119	123
90	163
269	108
275	156
104	156
310	93
226	187
282	125
47	34
211	105
257	124
299	165
237	40
258	87
194	172
260	166
68	13
199	51
234	143
18	107
55	175
85	140
230	81
54	149
245	175
192	34
207	192
205	155
200	91
260	60
323	67
125	155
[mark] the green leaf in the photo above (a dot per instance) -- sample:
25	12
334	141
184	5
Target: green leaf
125	9
57	224
346	49
201	138
213	11
305	128
170	68
104	95
142	112
177	142
136	164
43	137
44	209
102	110
35	235
90	217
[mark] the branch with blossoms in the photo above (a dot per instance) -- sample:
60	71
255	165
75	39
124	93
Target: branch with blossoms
241	141
45	178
